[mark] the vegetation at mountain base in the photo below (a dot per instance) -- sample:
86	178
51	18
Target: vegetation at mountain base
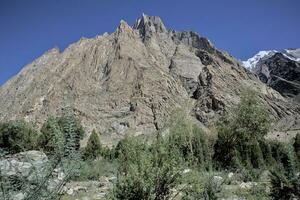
241	134
182	162
17	136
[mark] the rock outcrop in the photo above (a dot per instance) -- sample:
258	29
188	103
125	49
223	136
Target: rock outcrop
131	81
26	173
29	165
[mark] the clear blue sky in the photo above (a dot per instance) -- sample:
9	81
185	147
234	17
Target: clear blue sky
241	27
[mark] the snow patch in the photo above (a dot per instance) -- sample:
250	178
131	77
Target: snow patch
292	54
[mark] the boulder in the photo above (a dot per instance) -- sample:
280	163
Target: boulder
28	165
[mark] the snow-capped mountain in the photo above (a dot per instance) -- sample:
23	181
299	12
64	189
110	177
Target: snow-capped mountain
278	69
251	63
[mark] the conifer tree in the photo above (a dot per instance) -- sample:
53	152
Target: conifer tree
51	139
93	148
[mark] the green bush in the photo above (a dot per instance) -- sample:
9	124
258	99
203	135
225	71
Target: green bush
296	146
240	134
17	136
61	135
94	169
190	142
202	186
145	172
93	147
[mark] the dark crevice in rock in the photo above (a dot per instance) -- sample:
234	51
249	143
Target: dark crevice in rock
153	110
205	58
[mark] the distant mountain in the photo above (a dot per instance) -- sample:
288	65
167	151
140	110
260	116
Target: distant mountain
132	80
278	69
292	54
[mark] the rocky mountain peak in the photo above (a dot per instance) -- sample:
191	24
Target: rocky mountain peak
124	27
147	25
131	81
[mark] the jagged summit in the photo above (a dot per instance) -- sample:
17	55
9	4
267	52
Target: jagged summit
131	81
149	24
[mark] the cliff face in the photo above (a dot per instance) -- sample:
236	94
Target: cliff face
131	81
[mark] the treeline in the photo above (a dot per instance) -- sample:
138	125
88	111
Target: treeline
154	169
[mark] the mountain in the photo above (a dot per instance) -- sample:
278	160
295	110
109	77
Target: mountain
132	80
291	54
279	70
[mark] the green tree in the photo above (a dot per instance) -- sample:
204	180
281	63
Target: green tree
190	142
93	147
17	136
241	132
51	140
72	130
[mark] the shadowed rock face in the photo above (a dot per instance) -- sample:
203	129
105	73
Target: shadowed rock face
280	73
131	81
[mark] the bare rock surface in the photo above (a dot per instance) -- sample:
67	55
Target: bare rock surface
131	81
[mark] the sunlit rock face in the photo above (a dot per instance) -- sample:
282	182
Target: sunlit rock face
132	80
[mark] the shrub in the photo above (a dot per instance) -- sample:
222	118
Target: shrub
296	146
94	169
145	172
17	136
202	186
93	147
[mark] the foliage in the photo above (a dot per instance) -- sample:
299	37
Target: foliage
72	130
285	187
203	186
61	135
93	169
240	135
145	172
93	147
296	146
17	136
190	142
51	140
284	157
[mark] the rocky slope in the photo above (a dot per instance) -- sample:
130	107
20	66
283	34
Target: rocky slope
130	81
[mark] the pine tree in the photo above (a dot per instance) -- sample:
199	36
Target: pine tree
72	130
93	148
